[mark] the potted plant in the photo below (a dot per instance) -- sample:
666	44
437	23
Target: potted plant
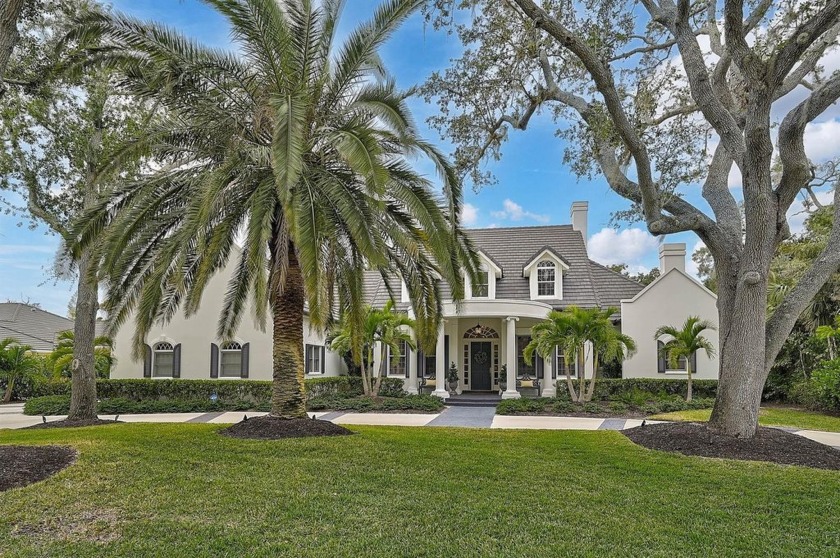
503	378
452	376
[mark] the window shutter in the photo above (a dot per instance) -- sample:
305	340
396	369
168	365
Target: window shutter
538	364
214	360
323	358
407	357
246	359
694	362
176	361
661	359
147	362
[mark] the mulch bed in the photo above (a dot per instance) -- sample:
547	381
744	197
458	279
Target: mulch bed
71	423
272	428
768	444
24	465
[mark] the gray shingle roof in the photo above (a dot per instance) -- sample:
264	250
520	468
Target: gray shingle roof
31	325
586	284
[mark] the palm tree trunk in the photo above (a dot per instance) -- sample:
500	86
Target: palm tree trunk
83	369
9	388
582	373
688	373
365	386
380	372
287	391
591	389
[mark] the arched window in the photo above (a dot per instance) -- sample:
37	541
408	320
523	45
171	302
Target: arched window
163	363
546	272
230	365
481	332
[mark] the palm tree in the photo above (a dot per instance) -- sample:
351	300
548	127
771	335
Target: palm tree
684	342
830	334
61	359
384	326
570	330
17	362
293	147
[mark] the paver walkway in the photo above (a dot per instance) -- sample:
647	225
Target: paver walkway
11	416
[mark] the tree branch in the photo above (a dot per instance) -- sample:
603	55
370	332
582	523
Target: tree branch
809	32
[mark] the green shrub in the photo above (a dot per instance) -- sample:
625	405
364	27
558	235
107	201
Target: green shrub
426	403
617	407
47	405
612	389
592	407
826	382
805	393
563	407
523	405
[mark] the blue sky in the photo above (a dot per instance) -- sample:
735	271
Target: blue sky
534	187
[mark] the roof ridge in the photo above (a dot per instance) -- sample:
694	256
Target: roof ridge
617	274
515	227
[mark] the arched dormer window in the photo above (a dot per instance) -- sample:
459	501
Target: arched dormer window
546	278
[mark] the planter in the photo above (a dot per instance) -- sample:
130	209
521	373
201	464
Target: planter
453	386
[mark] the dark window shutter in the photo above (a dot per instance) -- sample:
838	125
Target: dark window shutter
214	360
445	354
307	359
538	364
246	359
407	357
661	358
694	362
176	361
323	359
147	362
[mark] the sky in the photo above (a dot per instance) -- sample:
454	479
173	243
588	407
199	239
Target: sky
534	187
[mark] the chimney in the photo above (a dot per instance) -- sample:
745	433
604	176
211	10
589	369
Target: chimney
580	211
671	256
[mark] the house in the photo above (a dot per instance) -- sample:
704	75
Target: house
32	326
525	273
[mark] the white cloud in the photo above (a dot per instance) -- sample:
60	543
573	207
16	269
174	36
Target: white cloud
23	249
630	246
469	214
690	264
821	140
515	212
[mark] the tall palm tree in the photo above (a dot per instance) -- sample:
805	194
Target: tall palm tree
295	147
17	362
381	325
570	330
684	342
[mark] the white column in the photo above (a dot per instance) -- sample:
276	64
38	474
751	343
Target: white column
549	387
441	364
510	359
411	388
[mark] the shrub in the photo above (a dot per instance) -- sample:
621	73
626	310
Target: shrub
523	405
47	405
826	382
805	393
617	407
592	407
612	389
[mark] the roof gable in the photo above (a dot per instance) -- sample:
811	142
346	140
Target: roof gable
673	272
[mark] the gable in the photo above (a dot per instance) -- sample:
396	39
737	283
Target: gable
674	279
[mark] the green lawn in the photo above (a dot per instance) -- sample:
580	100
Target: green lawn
769	416
182	490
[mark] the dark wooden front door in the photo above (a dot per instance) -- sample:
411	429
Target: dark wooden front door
480	365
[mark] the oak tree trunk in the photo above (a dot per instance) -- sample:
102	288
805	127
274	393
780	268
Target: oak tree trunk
9	35
288	389
83	368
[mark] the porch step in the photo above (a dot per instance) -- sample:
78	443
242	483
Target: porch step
474	400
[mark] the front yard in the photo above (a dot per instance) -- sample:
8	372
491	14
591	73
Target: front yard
182	490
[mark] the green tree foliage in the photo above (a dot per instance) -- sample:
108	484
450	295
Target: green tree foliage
580	333
295	145
684	342
382	328
645	278
17	363
60	360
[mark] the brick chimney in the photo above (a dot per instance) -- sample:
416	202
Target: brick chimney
671	256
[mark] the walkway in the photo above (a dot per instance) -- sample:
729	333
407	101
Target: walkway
11	416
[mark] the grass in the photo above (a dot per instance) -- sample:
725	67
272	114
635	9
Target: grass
182	490
769	416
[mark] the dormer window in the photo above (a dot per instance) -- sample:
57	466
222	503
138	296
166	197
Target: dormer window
546	276
481	289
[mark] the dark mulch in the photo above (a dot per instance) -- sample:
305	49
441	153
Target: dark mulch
24	465
72	423
768	444
272	428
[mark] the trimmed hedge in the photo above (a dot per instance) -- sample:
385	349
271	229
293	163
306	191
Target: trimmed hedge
613	389
559	406
428	403
253	391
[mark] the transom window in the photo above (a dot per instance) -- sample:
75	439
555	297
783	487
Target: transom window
314	359
481	289
231	360
164	360
546	272
397	365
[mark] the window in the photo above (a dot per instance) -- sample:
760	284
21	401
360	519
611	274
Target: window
481	289
563	367
314	359
230	365
164	360
398	366
546	272
522	368
429	363
664	363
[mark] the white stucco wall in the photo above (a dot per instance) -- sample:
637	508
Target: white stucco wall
197	333
668	301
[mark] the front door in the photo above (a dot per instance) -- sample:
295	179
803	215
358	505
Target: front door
480	365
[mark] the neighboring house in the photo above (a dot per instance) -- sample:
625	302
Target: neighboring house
668	300
31	326
525	273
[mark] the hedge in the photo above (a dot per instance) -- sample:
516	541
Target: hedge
614	389
252	391
542	405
